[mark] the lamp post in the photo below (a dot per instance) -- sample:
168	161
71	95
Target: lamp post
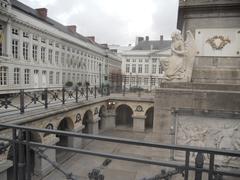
130	80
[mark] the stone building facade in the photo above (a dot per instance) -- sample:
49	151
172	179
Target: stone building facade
37	52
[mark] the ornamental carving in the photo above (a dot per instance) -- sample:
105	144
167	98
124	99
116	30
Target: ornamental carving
218	42
78	118
139	109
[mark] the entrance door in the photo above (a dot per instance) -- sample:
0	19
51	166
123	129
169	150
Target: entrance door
44	79
36	79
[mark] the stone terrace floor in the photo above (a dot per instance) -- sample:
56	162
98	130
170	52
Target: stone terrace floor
80	165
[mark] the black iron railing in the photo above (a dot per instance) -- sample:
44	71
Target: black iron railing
22	165
23	99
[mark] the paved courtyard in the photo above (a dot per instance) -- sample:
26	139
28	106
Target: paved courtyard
80	165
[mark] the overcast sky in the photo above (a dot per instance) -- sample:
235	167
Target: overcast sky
114	21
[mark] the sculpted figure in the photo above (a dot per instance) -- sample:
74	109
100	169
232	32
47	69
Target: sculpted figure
180	63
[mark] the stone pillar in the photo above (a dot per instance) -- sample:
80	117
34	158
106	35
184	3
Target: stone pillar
8	39
110	119
43	167
139	123
4	165
76	141
93	126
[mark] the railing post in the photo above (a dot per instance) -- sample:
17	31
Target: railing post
21	101
76	94
186	165
95	91
87	92
63	95
199	161
21	160
211	166
14	148
28	160
46	98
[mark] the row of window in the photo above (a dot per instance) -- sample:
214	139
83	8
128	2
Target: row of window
154	60
70	61
146	68
54	77
142	81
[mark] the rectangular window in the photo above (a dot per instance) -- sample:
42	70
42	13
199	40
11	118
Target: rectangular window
140	68
145	81
133	80
127	68
43	54
63	59
154	68
56	57
50	77
73	78
146	70
69	77
3	75
35	52
57	77
50	51
27	76
63	78
134	68
140	60
154	60
134	60
15	48
25	50
16	76
153	81
128	60
78	77
146	60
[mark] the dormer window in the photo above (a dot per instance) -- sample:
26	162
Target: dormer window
43	40
50	43
26	34
35	37
14	31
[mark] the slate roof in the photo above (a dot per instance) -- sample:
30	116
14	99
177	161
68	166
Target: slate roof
153	45
33	12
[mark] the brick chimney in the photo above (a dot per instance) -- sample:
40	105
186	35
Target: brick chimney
72	28
91	38
42	12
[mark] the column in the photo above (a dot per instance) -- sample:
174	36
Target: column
43	167
139	123
93	126
110	119
76	141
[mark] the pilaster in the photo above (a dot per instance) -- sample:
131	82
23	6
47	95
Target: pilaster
139	122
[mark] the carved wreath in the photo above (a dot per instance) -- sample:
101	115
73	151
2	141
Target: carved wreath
221	45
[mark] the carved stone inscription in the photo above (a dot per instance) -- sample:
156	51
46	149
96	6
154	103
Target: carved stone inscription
210	132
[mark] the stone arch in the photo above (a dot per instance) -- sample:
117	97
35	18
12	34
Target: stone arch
102	115
34	158
124	115
66	124
149	118
87	120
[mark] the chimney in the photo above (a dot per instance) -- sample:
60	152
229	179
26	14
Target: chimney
147	38
161	37
91	38
72	28
105	46
42	12
138	40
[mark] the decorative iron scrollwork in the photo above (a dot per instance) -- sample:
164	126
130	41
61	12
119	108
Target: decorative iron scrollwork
139	108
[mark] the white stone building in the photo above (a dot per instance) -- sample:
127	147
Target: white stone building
143	64
36	51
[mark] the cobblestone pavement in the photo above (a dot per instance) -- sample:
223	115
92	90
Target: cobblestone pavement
81	165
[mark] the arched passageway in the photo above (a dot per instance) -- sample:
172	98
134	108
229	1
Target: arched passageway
102	114
124	116
87	119
34	158
66	124
149	119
